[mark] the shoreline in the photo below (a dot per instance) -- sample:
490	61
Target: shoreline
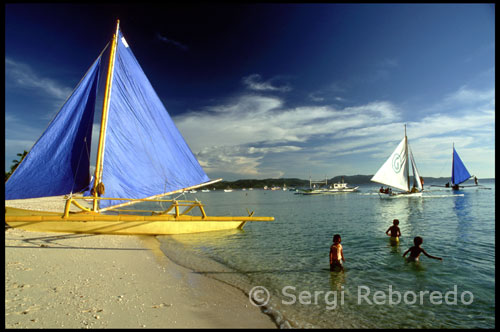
65	280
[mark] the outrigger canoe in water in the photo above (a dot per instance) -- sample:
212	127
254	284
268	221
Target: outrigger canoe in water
98	223
459	174
395	173
141	157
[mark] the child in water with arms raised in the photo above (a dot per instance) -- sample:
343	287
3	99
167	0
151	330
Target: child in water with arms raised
416	250
336	254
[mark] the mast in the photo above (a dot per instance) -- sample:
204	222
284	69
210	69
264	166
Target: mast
98	186
407	168
453	164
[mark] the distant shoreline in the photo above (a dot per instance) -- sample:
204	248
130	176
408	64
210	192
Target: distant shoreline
300	183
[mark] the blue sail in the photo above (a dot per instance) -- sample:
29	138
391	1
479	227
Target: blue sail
59	162
144	153
459	173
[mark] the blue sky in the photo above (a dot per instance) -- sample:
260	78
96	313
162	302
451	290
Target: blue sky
277	90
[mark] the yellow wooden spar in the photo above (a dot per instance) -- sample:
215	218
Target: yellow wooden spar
104	120
161	195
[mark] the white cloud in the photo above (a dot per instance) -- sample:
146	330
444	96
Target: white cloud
239	133
244	135
330	92
275	149
230	159
173	42
314	96
464	102
465	97
254	82
17	129
252	118
22	76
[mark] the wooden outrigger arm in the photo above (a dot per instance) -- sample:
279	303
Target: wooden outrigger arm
175	204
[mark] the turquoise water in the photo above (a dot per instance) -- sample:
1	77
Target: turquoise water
289	257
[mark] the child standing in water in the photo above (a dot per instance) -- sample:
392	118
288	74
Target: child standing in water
336	254
416	250
394	230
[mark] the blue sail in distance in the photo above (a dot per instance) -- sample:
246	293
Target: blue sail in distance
145	155
59	162
459	173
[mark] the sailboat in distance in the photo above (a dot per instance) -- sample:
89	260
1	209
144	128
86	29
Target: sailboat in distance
459	173
395	172
141	157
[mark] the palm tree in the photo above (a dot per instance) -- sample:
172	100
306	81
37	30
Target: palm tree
16	163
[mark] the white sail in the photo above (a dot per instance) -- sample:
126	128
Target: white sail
416	175
394	172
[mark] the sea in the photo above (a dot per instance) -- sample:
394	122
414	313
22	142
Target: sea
283	265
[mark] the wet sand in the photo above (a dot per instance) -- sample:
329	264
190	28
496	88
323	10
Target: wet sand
59	280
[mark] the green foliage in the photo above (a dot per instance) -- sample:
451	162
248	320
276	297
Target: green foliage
289	182
15	164
352	180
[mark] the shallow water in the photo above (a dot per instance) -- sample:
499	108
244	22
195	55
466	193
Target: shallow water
289	256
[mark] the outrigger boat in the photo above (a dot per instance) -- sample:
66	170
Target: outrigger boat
335	188
459	174
341	187
395	173
141	157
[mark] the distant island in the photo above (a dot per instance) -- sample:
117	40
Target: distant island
299	183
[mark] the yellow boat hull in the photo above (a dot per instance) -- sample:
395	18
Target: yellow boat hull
123	224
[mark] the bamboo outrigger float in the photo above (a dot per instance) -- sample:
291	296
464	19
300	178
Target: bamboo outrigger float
143	159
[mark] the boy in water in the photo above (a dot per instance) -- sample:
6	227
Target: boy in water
336	254
415	251
395	232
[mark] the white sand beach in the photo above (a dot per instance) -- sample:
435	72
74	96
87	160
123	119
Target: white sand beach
58	280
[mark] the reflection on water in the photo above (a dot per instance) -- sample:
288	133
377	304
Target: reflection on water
394	246
337	281
462	211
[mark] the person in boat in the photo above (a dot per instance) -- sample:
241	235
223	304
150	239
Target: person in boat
455	187
394	231
336	254
416	250
382	190
447	185
414	189
475	180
